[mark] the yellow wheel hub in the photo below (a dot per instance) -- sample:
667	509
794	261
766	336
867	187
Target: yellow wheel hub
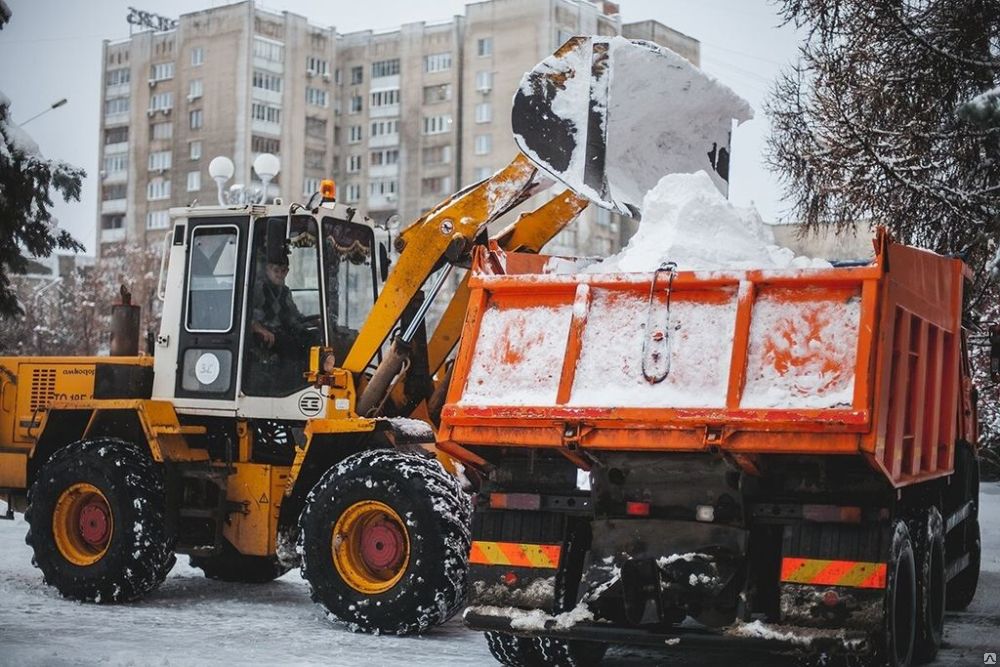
82	524
370	547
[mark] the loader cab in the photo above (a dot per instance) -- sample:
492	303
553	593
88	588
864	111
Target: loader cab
239	320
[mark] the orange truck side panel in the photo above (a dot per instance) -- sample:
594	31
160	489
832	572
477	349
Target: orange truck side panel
849	361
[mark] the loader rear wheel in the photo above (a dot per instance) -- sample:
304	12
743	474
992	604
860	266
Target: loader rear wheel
514	651
385	539
931	587
96	522
231	565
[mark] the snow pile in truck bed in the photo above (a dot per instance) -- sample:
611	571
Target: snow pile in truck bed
686	220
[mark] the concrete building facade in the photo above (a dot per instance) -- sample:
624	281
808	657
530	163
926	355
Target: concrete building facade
399	119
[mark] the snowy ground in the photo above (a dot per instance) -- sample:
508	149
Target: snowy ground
194	621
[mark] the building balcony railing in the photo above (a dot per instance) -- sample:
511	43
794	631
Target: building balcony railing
115	177
382	171
112	235
384	140
114	206
383	111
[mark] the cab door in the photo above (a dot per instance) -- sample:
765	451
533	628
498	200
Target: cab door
214	282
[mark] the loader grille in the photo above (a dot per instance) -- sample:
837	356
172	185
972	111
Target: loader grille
43	387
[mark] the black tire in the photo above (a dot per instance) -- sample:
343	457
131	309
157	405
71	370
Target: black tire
930	561
429	586
231	565
894	643
571	653
135	553
514	651
962	589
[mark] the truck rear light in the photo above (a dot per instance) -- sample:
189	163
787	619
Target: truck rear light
637	509
509	578
515	501
830	598
704	513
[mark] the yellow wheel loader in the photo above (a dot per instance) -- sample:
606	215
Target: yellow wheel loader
284	413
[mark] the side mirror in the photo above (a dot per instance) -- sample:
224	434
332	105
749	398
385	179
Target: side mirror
995	352
383	261
277	241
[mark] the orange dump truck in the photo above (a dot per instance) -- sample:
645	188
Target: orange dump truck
784	458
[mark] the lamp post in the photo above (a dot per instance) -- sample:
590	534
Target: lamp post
55	105
221	170
267	167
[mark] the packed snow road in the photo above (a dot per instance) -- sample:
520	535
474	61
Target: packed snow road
191	620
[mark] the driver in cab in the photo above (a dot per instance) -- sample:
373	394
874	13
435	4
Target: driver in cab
274	309
281	341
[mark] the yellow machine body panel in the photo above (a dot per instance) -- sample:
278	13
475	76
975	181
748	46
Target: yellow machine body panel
259	488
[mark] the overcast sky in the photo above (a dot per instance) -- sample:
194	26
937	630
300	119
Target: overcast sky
52	49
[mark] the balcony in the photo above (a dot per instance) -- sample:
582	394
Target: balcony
112	235
384	171
384	140
383	111
113	206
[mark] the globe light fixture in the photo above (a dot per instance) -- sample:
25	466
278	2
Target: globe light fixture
221	170
267	167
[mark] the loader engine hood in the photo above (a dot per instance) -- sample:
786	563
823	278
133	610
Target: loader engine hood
609	117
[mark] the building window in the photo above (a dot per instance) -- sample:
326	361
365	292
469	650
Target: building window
112	221
357	75
116	135
194	150
194	181
437	124
484	81
161	102
482	173
158	188
484	46
353	164
116	105
439	93
197	120
354	134
194	89
356	103
435	185
352	192
314	159
389	156
484	112
317	97
437	62
382	128
161	131
160	160
266	81
385	98
162	71
385	68
437	155
266	49
265	145
157	219
112	192
484	144
265	112
310	186
315	127
197	56
317	66
117	77
115	163
382	187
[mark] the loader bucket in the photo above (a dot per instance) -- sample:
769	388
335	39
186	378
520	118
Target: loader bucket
609	117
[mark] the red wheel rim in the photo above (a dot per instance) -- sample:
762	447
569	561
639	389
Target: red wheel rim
94	524
383	545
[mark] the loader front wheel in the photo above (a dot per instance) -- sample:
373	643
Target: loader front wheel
231	565
384	538
96	522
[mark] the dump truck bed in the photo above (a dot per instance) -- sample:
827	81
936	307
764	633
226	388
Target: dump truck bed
859	360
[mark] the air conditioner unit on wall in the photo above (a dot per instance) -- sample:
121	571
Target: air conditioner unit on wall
152	82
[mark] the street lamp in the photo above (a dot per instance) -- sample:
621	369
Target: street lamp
221	170
267	167
55	105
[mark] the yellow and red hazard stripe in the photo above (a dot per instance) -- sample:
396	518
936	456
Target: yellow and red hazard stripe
820	572
515	554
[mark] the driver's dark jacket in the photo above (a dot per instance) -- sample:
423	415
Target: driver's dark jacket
274	308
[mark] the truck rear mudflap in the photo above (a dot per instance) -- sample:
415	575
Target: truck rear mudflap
755	635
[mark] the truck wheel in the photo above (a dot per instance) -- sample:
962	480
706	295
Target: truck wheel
895	642
569	653
96	522
514	651
962	589
931	589
385	542
231	565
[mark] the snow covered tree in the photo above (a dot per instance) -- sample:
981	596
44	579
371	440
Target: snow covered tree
892	117
26	224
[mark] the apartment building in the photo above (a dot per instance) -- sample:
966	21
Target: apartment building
400	119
